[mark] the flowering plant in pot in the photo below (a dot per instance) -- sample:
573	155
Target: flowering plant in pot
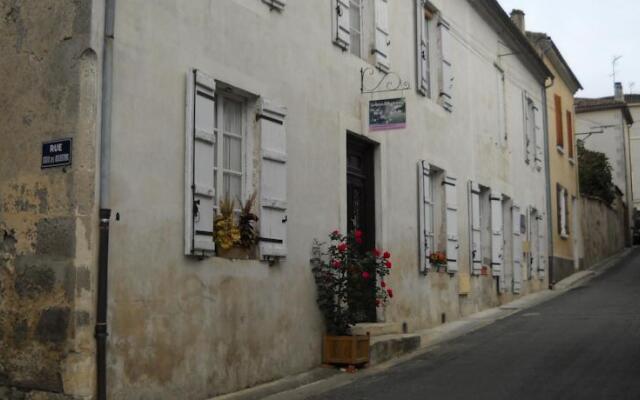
439	260
346	274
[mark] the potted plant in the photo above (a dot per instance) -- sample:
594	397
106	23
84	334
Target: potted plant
439	261
247	226
226	232
342	269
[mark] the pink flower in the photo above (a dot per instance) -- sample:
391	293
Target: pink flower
390	292
376	252
366	275
335	233
342	247
336	264
386	254
388	264
383	284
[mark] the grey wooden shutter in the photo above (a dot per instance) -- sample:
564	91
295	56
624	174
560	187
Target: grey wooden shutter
273	181
517	250
533	242
542	257
382	47
474	228
451	199
539	136
341	24
446	42
422	49
276	4
497	241
528	123
199	182
425	215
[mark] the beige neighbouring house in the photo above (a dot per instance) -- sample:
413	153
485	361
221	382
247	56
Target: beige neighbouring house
419	122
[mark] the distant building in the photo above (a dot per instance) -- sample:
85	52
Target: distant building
604	125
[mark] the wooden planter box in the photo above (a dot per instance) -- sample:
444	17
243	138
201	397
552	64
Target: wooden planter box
350	350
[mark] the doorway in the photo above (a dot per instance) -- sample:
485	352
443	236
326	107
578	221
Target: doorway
361	215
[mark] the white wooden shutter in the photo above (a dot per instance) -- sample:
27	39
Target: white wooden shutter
533	242
562	213
341	24
422	49
542	253
497	241
446	42
539	136
273	181
382	46
475	247
199	182
528	124
276	4
425	212
451	199
517	250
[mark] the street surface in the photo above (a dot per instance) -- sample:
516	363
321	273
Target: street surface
582	345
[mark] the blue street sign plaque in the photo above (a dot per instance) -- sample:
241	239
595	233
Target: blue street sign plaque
56	153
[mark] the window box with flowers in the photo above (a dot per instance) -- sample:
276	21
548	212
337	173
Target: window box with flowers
235	234
343	271
438	260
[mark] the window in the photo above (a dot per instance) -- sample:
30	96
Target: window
562	210
480	227
570	134
447	78
216	141
425	15
355	27
559	132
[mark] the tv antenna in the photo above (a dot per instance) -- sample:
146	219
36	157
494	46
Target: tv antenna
614	61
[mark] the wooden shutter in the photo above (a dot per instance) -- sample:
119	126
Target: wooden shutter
446	42
276	4
541	245
341	24
474	229
533	242
273	181
497	242
451	199
517	250
422	49
539	135
382	46
529	127
558	112
199	182
425	212
570	134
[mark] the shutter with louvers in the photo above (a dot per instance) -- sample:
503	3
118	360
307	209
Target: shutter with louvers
539	136
517	250
425	223
422	47
528	123
474	224
451	199
273	181
276	4
382	46
341	24
199	181
533	242
542	258
446	42
497	244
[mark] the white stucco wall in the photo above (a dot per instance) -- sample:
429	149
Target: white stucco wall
191	329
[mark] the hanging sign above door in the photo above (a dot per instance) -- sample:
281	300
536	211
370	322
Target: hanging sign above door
387	114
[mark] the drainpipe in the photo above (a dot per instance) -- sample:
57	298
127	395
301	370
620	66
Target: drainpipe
547	165
105	211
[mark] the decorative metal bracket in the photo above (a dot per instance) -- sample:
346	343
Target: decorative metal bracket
390	82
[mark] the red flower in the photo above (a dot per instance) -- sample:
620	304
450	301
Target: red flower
390	292
388	264
335	233
386	254
378	303
366	275
342	247
336	263
383	284
376	252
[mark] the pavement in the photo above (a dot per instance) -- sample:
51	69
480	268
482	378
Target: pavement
580	340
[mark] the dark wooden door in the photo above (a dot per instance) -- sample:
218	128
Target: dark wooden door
361	215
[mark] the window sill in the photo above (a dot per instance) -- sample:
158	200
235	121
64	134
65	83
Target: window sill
237	253
560	149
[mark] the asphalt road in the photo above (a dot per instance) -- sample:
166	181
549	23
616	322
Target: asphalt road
582	345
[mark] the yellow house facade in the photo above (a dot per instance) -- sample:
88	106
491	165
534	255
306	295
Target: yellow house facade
563	161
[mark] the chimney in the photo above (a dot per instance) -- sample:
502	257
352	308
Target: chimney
618	92
517	16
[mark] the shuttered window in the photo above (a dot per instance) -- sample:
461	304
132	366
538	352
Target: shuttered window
529	128
497	239
517	249
570	143
425	215
382	37
562	211
355	27
451	199
475	236
447	76
341	23
424	17
559	129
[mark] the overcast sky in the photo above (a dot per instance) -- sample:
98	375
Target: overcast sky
589	33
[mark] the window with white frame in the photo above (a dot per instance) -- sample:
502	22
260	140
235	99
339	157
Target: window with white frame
355	27
426	15
216	167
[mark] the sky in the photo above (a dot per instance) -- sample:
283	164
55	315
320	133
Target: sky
589	34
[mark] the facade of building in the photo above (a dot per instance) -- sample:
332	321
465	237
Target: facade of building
604	125
563	168
420	123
